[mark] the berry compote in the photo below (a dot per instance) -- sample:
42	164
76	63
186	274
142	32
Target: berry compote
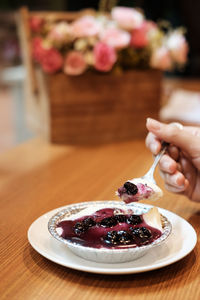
109	228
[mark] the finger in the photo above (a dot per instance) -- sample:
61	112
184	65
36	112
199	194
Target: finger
177	179
153	143
188	169
173	152
167	164
173	134
174	189
190	174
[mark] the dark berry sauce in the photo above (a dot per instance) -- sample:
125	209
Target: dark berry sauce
108	228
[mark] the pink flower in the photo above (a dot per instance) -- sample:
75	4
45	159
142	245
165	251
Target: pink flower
36	24
140	36
60	33
86	26
161	59
178	47
75	63
127	18
38	51
104	57
52	61
116	38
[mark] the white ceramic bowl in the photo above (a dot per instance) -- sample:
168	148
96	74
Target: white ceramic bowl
105	255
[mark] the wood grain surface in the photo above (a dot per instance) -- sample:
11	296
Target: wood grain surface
36	177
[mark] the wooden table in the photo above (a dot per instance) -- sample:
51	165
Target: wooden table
36	177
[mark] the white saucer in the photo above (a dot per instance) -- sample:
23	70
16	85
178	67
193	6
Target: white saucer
180	243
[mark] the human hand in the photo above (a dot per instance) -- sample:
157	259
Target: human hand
180	167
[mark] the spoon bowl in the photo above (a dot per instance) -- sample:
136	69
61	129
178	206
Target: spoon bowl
144	187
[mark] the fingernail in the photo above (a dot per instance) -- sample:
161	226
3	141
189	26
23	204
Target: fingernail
176	124
153	124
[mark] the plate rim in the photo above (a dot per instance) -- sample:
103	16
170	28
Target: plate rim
99	269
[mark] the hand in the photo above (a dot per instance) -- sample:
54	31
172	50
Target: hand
180	167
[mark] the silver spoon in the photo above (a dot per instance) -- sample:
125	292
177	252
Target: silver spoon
130	193
149	175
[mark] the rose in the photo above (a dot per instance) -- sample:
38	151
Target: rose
178	47
38	51
140	36
161	59
52	60
75	63
116	38
104	57
86	26
60	34
127	18
36	24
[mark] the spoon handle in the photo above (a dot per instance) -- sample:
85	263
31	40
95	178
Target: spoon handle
149	174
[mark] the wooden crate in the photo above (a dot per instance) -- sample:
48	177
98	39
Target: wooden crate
91	108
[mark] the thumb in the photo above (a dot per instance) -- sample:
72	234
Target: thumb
179	137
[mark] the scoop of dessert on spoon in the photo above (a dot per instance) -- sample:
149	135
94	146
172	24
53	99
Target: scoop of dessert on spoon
144	187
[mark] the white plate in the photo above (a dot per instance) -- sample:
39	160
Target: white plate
180	243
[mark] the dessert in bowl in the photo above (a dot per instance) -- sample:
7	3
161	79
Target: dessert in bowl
109	231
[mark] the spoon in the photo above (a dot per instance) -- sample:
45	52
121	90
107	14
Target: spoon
149	175
144	187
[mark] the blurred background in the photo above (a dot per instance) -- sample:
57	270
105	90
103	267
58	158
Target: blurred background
13	128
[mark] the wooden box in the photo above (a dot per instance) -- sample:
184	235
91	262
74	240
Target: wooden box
91	108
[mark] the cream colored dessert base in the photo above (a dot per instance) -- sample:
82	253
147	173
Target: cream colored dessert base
158	193
153	218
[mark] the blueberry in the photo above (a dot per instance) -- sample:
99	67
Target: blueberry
120	218
131	188
80	228
120	237
134	220
124	237
141	232
89	222
112	238
108	222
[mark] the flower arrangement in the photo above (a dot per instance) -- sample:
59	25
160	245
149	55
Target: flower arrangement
121	40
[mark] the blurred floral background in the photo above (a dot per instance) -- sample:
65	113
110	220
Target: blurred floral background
123	40
13	130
